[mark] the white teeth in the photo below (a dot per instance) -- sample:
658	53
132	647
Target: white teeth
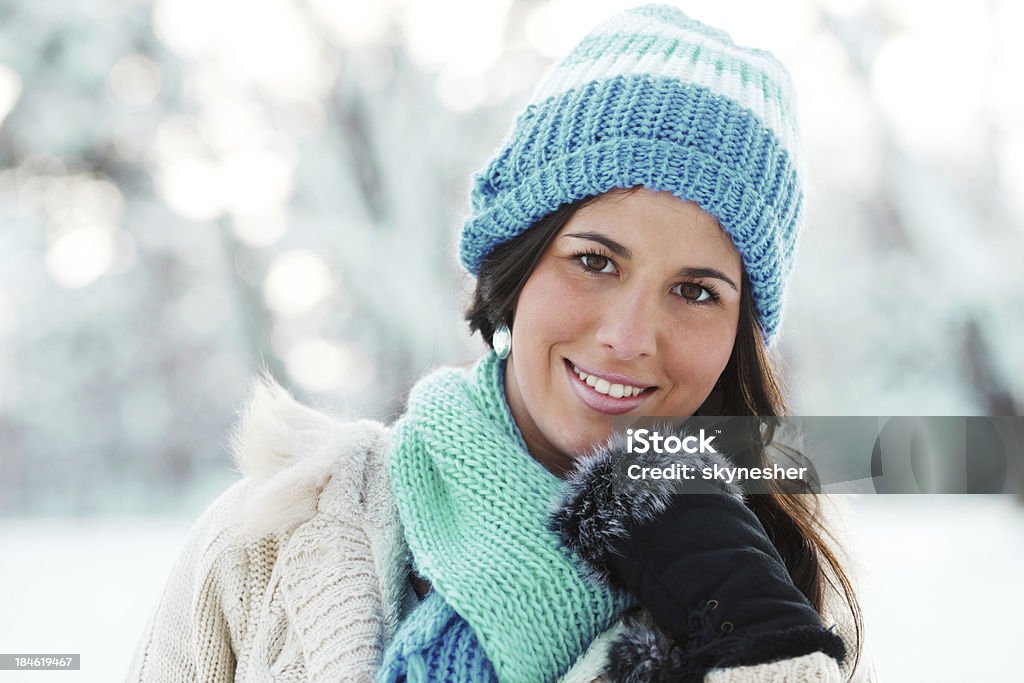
603	386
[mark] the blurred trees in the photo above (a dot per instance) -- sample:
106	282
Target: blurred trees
191	191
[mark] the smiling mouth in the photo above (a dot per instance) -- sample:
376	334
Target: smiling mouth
606	387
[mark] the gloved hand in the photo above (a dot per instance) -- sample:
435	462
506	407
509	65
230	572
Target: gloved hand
696	557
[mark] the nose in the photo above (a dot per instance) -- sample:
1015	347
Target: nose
628	325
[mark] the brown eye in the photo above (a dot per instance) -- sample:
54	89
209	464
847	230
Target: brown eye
692	292
597	263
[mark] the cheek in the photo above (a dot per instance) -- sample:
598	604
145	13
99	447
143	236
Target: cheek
549	311
695	362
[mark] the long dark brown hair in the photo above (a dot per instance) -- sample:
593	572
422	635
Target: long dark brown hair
748	387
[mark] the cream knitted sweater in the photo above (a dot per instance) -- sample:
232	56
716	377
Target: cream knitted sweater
299	572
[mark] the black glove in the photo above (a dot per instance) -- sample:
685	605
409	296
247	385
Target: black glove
697	558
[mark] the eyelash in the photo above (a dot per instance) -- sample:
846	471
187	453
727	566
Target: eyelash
713	296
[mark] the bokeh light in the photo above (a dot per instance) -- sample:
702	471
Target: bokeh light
78	256
322	365
10	89
297	281
135	80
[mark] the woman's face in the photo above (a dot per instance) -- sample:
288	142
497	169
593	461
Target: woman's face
632	309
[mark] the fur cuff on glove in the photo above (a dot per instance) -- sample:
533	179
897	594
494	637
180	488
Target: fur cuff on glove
601	503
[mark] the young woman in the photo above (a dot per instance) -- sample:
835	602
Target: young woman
631	241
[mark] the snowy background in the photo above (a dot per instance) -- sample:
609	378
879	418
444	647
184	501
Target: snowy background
193	189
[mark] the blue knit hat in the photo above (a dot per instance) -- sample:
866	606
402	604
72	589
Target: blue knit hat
653	98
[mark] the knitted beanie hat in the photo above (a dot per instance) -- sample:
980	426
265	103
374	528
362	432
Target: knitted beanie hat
653	98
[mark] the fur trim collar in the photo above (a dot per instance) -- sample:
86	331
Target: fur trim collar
288	452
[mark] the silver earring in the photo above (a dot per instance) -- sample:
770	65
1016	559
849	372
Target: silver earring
502	341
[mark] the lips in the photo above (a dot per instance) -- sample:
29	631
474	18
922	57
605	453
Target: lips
607	393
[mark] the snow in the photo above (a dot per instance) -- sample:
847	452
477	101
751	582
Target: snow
939	583
85	586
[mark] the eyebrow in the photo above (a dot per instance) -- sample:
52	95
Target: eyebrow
611	244
624	252
708	272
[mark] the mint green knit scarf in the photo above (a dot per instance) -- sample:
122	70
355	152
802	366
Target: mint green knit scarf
475	506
